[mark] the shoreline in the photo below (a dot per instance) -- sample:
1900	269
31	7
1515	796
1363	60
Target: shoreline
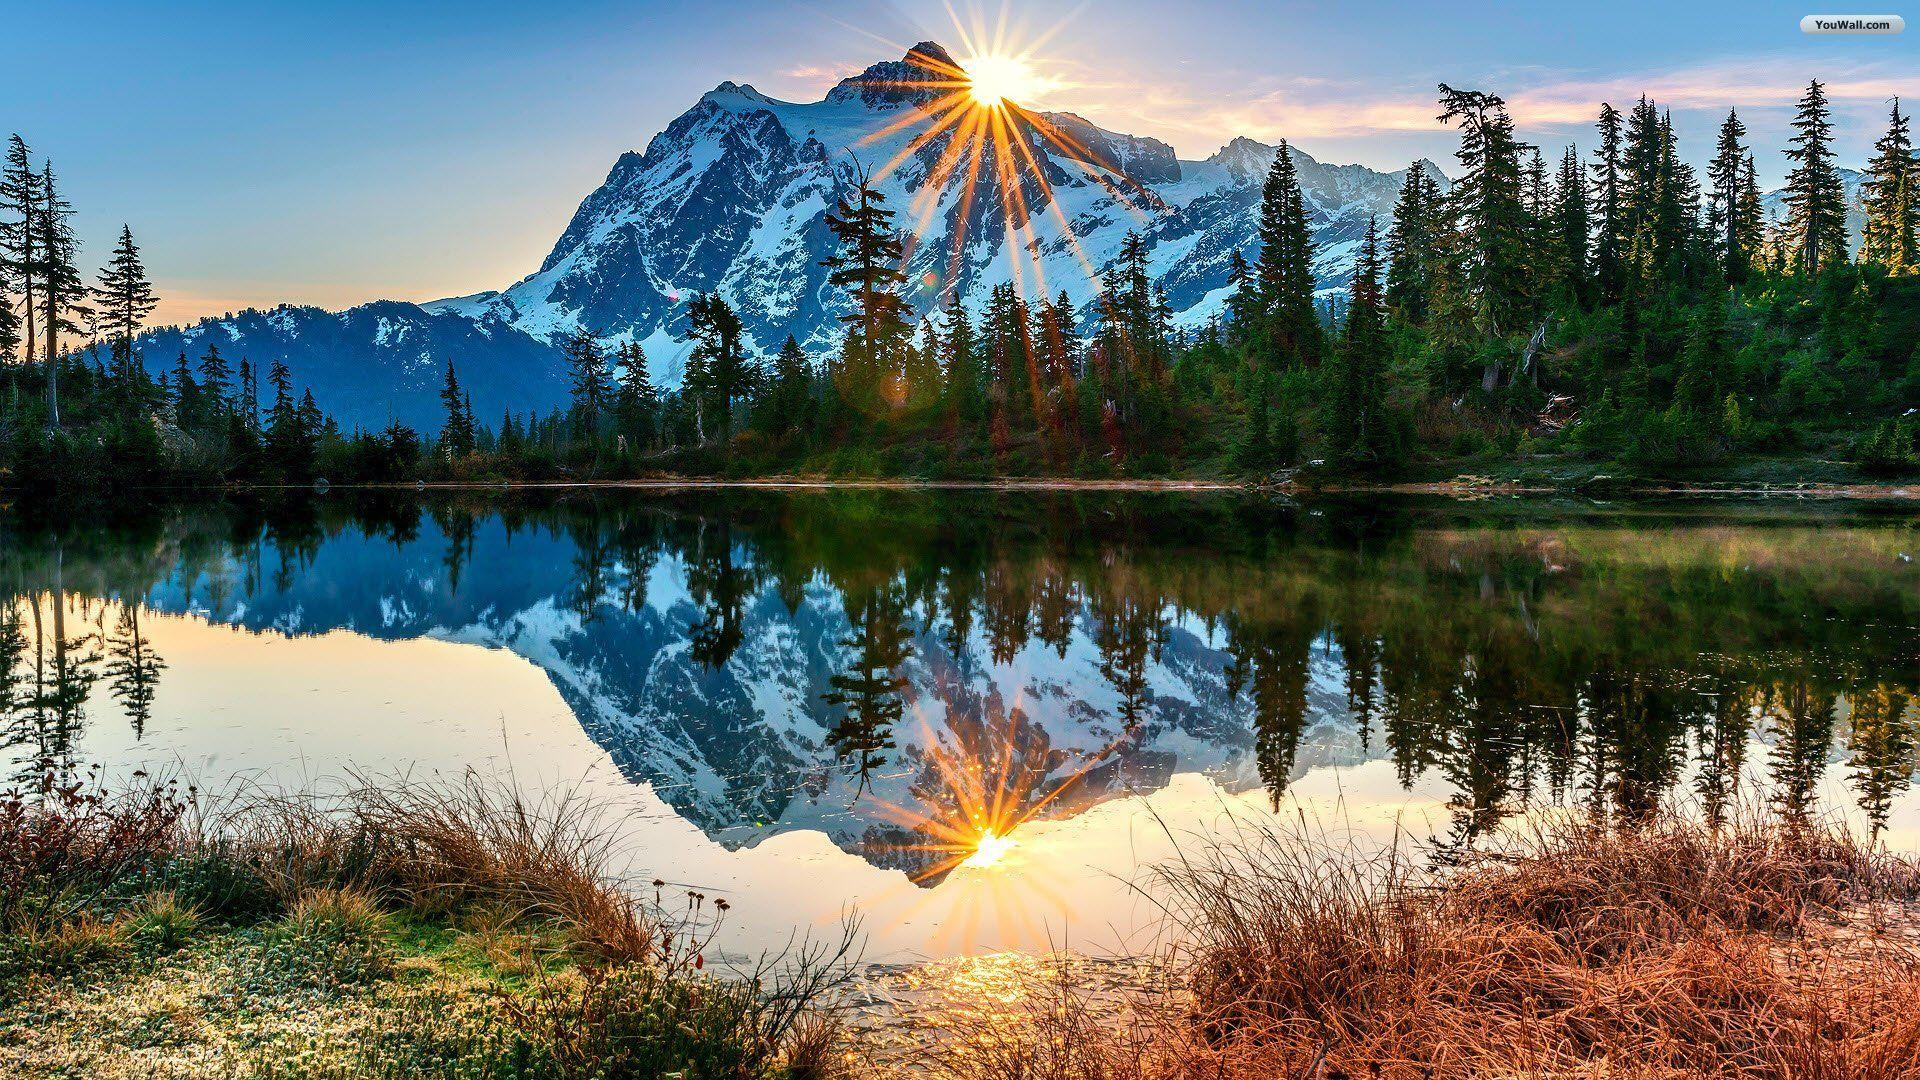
1461	488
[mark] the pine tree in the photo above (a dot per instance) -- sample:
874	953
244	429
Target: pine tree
1285	266
1489	211
868	268
1412	246
1726	218
960	367
126	299
456	432
790	402
1892	197
1641	192
1571	230
185	393
637	401
1006	344
589	383
19	237
1816	201
1243	297
1608	257
63	303
292	426
215	376
1356	405
248	397
724	375
1750	217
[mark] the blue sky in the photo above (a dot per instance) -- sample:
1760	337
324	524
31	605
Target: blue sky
332	153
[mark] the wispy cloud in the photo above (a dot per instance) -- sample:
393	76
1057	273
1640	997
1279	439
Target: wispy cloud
1749	84
1764	88
819	78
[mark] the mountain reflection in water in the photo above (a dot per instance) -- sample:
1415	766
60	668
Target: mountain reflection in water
916	675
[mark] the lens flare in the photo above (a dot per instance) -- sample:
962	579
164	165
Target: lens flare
997	80
990	849
974	138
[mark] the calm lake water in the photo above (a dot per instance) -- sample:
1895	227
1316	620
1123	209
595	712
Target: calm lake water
976	719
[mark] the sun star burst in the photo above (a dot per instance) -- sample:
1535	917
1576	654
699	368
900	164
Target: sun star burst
995	80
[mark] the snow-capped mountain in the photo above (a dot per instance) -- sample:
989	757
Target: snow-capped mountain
733	196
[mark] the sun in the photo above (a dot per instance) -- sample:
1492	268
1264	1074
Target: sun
994	80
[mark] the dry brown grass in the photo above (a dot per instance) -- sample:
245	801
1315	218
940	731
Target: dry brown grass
1756	951
443	846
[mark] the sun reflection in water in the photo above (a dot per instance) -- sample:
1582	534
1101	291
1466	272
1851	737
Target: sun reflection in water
988	852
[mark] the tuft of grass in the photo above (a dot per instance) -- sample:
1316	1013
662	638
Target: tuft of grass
33	951
161	922
342	913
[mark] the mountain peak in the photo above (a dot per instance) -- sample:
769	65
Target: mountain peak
904	81
734	89
931	54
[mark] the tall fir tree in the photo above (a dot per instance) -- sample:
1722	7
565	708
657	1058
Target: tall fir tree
456	430
790	398
63	295
1733	240
19	241
1816	227
1356	406
960	365
1892	197
589	382
867	266
1608	256
1752	215
1571	230
637	400
216	377
1285	266
1243	297
1412	245
126	298
724	374
1489	211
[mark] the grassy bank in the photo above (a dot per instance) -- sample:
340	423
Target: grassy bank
401	930
389	930
1673	950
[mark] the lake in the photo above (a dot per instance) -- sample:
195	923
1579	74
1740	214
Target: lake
976	719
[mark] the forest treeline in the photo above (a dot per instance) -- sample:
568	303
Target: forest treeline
1616	307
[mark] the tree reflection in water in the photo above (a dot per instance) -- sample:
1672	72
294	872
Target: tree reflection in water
987	658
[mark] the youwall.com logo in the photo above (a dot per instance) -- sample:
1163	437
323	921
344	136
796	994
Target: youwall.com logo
1852	24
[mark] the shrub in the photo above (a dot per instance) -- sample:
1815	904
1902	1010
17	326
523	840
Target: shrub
1890	449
